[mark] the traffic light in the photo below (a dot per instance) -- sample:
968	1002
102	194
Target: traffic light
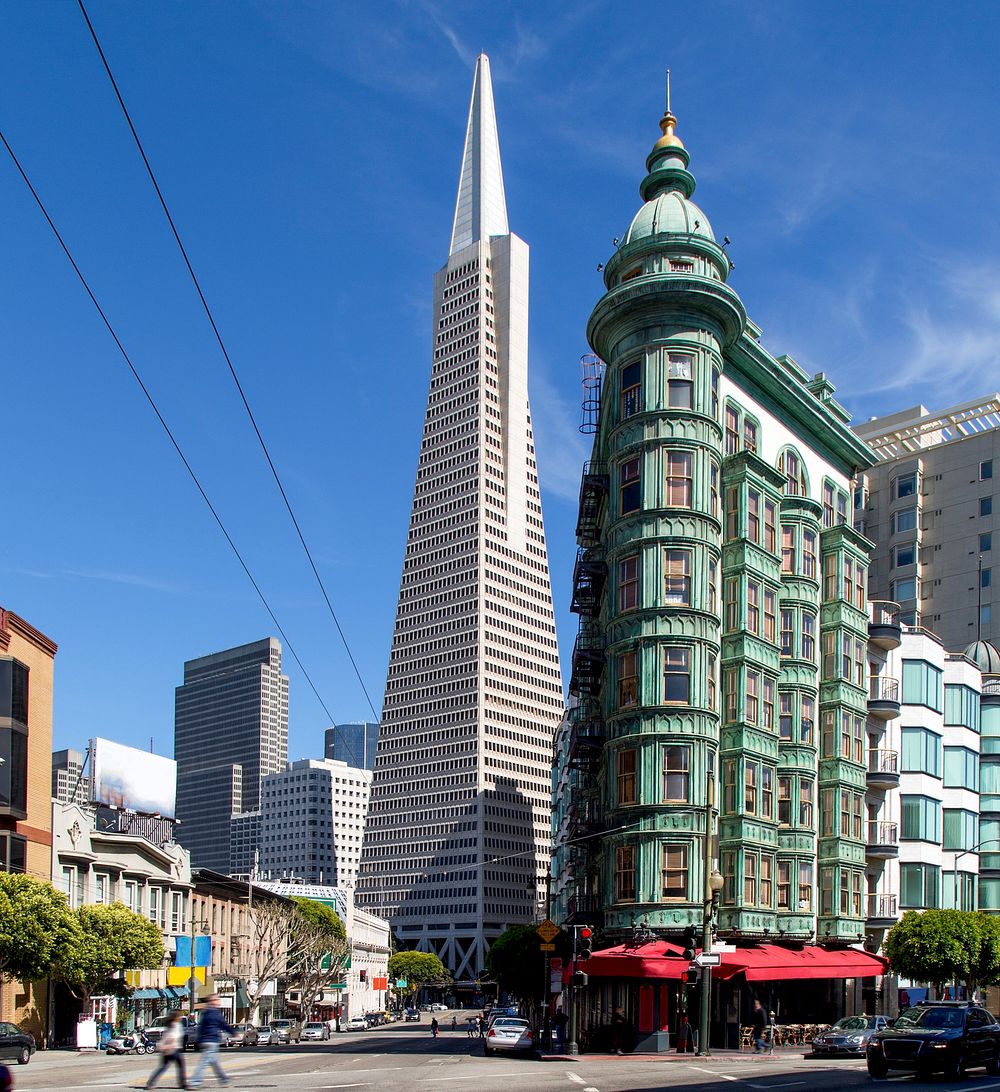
692	976
580	979
690	941
585	942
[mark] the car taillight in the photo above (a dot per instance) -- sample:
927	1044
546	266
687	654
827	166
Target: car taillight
492	1033
528	1035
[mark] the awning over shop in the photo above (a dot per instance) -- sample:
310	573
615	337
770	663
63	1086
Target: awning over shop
761	962
242	998
147	995
174	994
657	959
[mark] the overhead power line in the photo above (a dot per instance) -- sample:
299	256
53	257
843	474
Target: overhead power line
225	353
159	416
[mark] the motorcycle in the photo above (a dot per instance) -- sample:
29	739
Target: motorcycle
137	1043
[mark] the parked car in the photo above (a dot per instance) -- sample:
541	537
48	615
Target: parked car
438	1007
189	1026
287	1031
315	1029
244	1035
357	1023
411	1014
16	1044
266	1035
849	1035
426	1008
937	1037
509	1035
375	1018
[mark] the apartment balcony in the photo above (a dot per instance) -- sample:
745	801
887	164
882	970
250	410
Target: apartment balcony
883	697
582	818
590	574
883	769
882	842
991	688
585	909
593	490
884	628
882	911
587	670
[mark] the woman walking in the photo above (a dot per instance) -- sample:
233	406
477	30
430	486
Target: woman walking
170	1047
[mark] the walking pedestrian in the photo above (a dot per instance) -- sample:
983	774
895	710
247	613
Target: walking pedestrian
454	1022
481	1025
560	1021
210	1028
473	1027
758	1021
170	1047
434	1028
6	1080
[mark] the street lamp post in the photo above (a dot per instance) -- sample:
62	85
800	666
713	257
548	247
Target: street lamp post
954	866
714	882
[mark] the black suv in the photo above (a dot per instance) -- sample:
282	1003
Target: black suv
937	1036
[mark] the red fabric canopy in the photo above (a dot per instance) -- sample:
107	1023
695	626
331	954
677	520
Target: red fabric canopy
657	959
759	962
770	961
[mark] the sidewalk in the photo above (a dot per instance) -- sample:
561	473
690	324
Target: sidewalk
781	1054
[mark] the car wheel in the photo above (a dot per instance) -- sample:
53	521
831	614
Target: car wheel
877	1068
24	1056
955	1070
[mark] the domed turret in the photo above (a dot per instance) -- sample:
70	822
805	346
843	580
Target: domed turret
986	657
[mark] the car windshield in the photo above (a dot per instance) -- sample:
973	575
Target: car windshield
852	1023
930	1017
311	1024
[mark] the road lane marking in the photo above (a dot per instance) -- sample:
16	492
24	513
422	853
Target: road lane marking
721	1076
470	1077
574	1077
785	1084
591	1090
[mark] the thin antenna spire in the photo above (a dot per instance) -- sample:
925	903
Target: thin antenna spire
668	90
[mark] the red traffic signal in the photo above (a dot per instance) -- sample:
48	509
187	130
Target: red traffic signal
586	931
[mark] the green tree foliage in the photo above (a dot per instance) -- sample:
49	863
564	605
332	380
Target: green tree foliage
419	969
37	928
317	950
112	940
515	962
940	946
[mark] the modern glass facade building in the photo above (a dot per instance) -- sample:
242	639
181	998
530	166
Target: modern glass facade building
230	730
353	743
457	840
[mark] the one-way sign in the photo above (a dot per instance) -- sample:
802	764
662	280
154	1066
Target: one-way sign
708	959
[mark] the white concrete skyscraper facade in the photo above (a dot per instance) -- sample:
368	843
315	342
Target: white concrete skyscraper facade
473	693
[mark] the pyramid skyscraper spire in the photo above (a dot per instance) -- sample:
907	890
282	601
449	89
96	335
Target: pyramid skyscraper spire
457	840
481	206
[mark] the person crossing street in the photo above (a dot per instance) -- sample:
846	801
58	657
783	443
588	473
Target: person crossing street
211	1027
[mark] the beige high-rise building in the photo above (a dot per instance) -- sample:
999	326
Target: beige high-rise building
26	671
474	692
930	504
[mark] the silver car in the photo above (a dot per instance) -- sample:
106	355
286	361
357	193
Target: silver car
849	1035
314	1029
266	1035
507	1034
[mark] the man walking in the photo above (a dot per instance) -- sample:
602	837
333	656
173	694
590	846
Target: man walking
170	1047
758	1021
211	1027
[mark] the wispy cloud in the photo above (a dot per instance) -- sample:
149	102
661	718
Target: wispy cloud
462	51
562	450
135	580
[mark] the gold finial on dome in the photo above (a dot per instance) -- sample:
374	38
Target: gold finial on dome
669	139
667	123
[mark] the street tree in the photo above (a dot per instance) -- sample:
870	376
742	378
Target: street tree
37	928
941	946
418	969
318	945
515	962
112	940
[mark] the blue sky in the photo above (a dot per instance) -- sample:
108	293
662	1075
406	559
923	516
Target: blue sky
310	153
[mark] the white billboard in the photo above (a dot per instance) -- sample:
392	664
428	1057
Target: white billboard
125	777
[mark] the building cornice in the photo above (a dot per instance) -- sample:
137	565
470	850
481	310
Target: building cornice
11	623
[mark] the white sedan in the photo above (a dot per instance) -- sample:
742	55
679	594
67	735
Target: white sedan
509	1035
357	1023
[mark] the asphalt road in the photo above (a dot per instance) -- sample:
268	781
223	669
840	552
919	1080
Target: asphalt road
404	1057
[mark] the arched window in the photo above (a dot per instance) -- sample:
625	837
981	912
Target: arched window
793	469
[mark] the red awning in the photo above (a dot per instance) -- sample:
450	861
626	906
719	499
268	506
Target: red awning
657	959
770	961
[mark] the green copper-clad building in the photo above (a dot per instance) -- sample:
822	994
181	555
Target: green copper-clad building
720	674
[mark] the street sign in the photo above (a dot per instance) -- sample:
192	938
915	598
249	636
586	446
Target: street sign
723	948
548	930
547	947
708	959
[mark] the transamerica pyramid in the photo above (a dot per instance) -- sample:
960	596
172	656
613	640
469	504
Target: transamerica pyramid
457	841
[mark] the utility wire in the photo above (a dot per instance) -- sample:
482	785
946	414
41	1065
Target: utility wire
225	353
161	419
